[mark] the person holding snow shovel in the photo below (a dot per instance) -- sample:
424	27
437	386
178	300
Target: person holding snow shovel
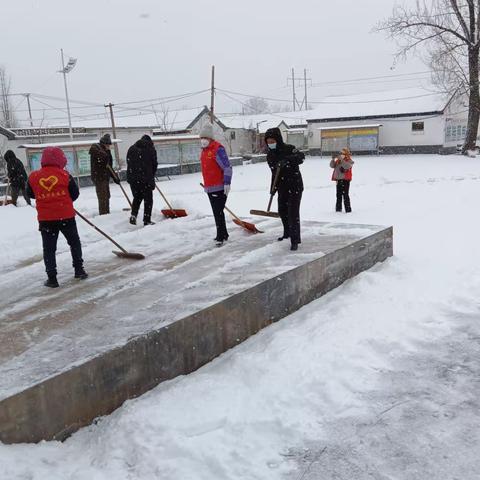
141	168
17	177
55	190
100	160
217	177
285	159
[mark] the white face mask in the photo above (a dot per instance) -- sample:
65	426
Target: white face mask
204	142
272	146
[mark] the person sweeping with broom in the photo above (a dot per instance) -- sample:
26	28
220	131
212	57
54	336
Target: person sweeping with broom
284	160
55	190
217	177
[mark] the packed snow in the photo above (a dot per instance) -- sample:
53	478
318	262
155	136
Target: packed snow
377	379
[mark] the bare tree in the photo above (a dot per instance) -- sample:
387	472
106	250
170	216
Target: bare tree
6	112
256	105
165	119
446	35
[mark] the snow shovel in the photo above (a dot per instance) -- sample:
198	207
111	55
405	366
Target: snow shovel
241	223
171	212
123	253
268	213
121	186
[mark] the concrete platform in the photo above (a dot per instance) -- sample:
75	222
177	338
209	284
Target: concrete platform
134	325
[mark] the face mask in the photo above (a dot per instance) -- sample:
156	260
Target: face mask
204	142
272	146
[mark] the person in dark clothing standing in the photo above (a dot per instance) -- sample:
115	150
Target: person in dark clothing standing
17	177
55	191
141	169
100	160
217	178
286	159
342	174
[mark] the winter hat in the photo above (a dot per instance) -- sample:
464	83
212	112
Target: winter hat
106	139
53	157
274	133
9	155
207	131
147	139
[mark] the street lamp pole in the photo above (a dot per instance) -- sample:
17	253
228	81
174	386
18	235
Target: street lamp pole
64	72
258	134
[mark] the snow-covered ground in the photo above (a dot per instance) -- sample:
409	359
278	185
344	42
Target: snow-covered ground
378	379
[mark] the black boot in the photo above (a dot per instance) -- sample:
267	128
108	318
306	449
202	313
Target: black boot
283	237
51	282
81	274
294	246
133	220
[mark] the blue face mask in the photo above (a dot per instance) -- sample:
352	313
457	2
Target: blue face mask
272	146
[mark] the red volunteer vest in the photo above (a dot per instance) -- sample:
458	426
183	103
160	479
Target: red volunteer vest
212	173
53	201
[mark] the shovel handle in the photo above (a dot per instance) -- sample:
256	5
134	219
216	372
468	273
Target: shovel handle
164	197
120	185
85	219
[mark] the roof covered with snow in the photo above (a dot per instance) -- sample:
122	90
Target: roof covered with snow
7	133
263	120
78	143
174	120
380	104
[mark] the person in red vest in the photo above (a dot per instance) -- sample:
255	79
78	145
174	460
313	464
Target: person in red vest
55	190
217	177
342	174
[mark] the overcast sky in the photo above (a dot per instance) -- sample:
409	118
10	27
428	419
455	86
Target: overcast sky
138	49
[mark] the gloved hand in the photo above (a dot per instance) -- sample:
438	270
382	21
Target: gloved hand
226	189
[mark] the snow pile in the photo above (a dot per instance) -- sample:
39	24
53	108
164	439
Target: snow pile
383	371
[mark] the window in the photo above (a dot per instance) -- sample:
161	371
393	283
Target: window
455	133
418	127
232	135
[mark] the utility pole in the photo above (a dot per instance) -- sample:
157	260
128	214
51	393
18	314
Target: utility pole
301	80
27	95
212	96
305	83
65	71
293	88
114	132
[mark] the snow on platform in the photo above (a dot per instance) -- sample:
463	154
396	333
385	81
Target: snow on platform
51	332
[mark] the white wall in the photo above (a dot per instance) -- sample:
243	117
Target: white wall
394	132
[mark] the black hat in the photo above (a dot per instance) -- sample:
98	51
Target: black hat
147	139
106	139
9	155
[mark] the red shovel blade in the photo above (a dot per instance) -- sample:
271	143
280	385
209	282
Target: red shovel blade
174	213
247	226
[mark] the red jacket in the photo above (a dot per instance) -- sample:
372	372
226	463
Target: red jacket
211	171
50	186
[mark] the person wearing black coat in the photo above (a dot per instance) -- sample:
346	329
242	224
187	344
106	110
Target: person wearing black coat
141	169
17	177
289	185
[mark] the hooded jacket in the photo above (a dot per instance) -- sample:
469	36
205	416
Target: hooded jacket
287	158
342	167
142	164
16	173
100	157
53	188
